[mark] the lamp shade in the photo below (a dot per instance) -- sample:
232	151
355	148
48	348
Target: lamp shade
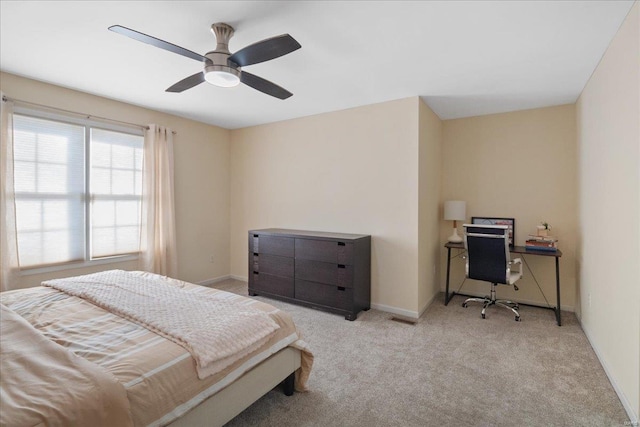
455	210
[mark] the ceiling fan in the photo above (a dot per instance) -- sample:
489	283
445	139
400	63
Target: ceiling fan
221	68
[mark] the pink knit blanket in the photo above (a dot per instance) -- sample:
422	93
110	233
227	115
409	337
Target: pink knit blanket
215	330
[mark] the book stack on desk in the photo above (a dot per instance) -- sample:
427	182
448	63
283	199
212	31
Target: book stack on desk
543	243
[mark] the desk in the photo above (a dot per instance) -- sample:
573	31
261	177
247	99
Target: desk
515	250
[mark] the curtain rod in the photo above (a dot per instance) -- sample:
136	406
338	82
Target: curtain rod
88	116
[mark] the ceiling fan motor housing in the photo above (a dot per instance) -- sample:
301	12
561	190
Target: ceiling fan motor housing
217	61
217	65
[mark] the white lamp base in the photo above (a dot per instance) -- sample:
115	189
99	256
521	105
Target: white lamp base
455	238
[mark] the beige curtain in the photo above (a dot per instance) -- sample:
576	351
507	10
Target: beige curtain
9	266
158	233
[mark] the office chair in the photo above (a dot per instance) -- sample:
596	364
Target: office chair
488	259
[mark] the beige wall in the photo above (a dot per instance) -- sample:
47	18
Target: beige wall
352	171
518	165
608	123
201	177
430	159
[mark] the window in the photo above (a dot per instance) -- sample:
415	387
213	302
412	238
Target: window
116	188
78	190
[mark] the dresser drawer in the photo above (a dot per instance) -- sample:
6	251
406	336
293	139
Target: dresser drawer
325	250
272	264
273	245
272	284
318	293
324	272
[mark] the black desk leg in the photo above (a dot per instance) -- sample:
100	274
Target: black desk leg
446	295
558	312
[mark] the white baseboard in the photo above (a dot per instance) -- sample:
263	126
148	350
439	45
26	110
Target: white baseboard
406	313
395	310
210	282
633	417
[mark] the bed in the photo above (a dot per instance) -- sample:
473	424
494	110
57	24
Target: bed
69	356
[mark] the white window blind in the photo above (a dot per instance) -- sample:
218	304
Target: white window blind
116	188
49	187
78	191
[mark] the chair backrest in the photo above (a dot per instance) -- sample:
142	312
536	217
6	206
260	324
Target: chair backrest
487	252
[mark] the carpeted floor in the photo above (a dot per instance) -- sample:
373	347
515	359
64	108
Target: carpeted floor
449	369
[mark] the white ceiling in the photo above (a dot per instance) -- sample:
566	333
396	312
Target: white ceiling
464	58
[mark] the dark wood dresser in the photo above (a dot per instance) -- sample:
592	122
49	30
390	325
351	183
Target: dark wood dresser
329	271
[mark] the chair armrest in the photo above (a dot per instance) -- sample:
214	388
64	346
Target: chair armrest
518	273
515	261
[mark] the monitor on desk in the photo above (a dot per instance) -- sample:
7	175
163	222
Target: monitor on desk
509	222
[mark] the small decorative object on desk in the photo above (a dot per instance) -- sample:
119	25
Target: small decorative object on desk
543	229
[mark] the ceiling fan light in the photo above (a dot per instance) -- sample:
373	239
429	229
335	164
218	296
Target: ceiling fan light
222	76
222	79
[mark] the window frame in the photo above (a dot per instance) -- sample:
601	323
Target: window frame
87	123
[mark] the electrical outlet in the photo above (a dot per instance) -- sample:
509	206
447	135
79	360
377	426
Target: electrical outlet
211	259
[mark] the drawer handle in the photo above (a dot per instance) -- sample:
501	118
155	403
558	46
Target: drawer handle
341	266
256	235
341	288
341	244
256	273
256	254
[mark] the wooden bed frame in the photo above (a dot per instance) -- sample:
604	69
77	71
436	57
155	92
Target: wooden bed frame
239	395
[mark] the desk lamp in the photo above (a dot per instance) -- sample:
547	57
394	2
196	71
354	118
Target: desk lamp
455	210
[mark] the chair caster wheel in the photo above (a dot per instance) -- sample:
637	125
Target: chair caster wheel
464	304
517	318
483	316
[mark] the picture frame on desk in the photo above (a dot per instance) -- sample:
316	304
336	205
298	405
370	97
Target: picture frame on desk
509	222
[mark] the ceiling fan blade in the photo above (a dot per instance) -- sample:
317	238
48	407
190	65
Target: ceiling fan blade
187	83
264	86
156	42
265	50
